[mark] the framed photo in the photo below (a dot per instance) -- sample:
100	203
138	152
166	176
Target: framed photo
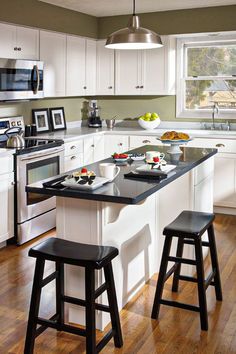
41	119
58	120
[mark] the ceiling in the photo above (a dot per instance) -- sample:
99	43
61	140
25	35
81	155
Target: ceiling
100	8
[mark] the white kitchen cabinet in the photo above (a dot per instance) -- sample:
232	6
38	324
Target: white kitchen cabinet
115	143
80	66
93	149
6	206
73	155
105	69
136	141
19	42
146	72
53	54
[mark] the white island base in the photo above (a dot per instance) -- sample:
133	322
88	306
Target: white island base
136	230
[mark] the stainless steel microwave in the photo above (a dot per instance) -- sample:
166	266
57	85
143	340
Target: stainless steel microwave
20	79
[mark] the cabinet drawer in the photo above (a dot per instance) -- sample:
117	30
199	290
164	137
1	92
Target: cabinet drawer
203	170
136	141
223	145
6	164
74	147
72	162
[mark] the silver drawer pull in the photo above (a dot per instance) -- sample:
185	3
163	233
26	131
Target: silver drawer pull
73	157
120	144
220	145
92	145
146	141
73	147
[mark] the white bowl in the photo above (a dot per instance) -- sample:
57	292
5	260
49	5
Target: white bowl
150	124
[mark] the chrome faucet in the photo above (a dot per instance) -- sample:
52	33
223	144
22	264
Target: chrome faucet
215	109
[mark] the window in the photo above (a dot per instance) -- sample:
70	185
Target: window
206	76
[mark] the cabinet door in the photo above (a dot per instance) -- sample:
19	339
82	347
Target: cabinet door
6	206
8	48
75	66
88	150
73	162
153	72
90	67
127	72
114	143
53	53
28	43
224	181
98	142
105	69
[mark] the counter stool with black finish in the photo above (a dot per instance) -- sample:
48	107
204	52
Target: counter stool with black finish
189	227
91	257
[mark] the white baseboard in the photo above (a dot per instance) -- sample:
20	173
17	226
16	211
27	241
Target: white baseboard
224	210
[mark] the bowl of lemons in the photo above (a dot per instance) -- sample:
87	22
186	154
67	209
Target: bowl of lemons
149	121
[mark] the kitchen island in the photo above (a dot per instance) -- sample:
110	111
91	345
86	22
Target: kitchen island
130	215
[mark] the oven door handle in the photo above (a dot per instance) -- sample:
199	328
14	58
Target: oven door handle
35	156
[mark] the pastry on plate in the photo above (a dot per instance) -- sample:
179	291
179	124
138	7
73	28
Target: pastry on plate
173	135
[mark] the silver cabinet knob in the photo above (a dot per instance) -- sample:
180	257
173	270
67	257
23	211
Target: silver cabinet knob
142	86
110	87
85	87
220	145
73	147
92	145
146	141
15	48
137	87
19	49
73	157
12	183
120	144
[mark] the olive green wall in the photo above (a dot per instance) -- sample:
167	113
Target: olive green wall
208	19
35	13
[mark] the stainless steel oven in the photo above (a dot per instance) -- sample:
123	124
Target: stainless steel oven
20	79
36	213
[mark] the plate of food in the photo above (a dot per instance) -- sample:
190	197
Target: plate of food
120	157
174	139
84	180
137	157
157	170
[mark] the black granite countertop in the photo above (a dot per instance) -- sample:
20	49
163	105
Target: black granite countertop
130	191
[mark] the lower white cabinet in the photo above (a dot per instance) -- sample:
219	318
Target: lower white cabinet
115	143
93	149
73	155
6	206
136	141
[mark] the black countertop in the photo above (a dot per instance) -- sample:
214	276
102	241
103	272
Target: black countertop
130	191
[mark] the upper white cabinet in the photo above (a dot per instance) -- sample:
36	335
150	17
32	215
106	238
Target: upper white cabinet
19	42
146	72
53	54
105	69
81	66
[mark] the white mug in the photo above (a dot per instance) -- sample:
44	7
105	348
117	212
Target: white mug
151	154
109	170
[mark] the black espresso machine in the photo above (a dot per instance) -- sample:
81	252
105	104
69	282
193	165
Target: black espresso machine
94	120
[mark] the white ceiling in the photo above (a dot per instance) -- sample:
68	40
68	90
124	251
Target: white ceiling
101	8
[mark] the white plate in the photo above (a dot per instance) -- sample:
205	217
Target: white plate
121	160
98	182
147	169
137	158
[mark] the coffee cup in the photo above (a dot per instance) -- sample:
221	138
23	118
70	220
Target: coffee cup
109	170
150	154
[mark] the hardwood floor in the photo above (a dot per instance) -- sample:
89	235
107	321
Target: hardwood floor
177	331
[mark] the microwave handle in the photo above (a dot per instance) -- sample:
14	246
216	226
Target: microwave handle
35	88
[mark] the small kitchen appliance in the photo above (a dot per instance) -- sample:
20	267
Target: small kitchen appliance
94	120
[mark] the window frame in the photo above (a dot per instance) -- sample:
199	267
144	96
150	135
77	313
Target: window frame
184	42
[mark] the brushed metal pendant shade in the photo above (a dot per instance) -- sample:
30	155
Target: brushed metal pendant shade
133	36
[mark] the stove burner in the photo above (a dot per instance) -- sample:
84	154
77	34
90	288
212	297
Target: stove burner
33	144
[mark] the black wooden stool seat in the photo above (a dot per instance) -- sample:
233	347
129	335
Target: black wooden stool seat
188	227
189	224
68	252
90	257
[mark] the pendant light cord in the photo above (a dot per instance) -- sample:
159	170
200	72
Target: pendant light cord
133	7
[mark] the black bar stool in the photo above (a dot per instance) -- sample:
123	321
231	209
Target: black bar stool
188	227
90	257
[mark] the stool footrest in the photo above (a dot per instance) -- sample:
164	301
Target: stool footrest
80	302
208	280
188	278
100	290
61	327
181	260
104	341
49	278
170	272
191	242
43	328
180	305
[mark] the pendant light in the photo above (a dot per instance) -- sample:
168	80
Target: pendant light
133	36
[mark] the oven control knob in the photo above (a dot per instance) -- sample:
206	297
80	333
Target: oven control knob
19	122
13	124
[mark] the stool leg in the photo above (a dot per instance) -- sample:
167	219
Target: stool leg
214	262
90	311
60	293
201	285
179	253
112	300
161	277
34	307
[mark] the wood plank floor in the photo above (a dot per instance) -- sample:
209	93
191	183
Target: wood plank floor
177	331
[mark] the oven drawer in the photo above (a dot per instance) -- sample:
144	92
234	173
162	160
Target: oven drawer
73	147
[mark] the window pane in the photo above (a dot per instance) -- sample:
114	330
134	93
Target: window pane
211	61
202	94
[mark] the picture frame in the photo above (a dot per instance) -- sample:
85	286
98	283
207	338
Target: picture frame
57	117
40	117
